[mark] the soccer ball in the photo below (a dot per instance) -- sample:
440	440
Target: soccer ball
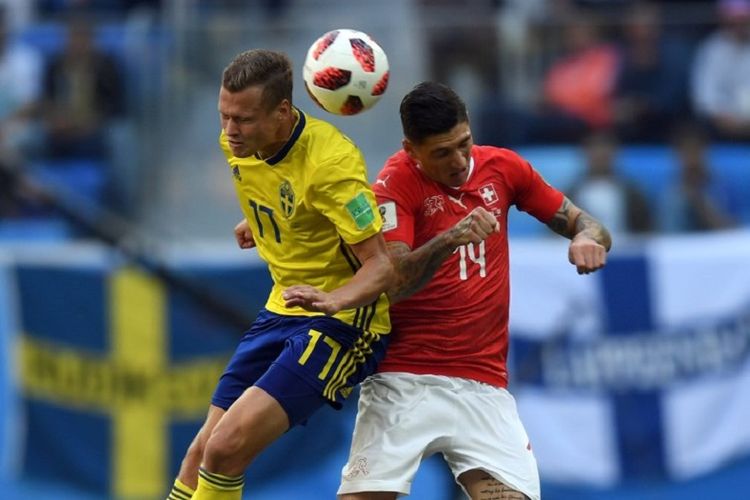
345	72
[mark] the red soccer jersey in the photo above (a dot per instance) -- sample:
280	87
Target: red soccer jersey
457	325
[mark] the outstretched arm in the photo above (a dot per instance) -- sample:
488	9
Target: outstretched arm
373	278
590	240
415	268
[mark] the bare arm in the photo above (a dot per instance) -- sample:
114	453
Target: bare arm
415	268
373	278
590	240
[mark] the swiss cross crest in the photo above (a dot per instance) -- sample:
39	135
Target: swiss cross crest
488	194
286	197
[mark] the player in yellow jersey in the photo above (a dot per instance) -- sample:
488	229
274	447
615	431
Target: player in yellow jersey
309	210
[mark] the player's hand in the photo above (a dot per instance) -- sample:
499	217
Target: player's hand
586	254
311	299
243	235
475	227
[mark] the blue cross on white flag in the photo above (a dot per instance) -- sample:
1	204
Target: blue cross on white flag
638	372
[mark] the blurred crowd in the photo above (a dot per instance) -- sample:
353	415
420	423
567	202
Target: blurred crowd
597	74
638	68
63	101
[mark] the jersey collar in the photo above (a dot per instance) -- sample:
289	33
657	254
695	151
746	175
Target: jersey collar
281	154
465	185
471	169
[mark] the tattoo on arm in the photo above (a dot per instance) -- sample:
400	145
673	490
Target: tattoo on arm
594	229
569	221
560	222
415	268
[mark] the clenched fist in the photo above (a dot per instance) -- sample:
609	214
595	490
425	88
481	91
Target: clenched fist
243	235
586	254
474	228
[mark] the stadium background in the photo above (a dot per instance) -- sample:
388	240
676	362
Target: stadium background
633	383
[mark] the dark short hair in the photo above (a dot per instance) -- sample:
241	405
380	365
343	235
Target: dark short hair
272	70
431	108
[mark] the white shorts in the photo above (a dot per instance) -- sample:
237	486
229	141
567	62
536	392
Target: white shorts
404	418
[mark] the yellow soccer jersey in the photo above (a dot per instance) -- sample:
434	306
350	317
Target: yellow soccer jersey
305	206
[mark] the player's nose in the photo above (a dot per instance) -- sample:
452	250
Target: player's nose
231	127
460	161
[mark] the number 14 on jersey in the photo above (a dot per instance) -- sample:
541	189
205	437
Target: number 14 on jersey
474	254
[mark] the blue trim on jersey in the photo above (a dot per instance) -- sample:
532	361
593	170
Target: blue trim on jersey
295	135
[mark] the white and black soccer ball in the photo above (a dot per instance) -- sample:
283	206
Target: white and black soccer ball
345	72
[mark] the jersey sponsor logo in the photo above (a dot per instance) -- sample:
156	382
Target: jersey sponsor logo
388	214
236	172
458	201
286	197
433	205
361	211
488	194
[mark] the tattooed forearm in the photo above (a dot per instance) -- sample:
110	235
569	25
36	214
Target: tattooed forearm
587	225
560	222
569	221
416	268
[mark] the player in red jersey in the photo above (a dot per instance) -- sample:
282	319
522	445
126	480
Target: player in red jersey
442	385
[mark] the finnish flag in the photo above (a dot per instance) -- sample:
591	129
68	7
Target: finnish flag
639	371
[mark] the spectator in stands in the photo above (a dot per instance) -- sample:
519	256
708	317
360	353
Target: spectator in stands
579	87
20	76
577	92
616	202
83	92
651	89
721	73
698	201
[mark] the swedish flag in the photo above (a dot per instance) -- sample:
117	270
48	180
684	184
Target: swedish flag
116	373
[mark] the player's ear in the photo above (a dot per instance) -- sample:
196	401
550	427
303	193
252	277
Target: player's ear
409	148
284	109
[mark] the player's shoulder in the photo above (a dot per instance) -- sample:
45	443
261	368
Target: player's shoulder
497	155
503	162
325	137
316	125
398	165
399	179
329	155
